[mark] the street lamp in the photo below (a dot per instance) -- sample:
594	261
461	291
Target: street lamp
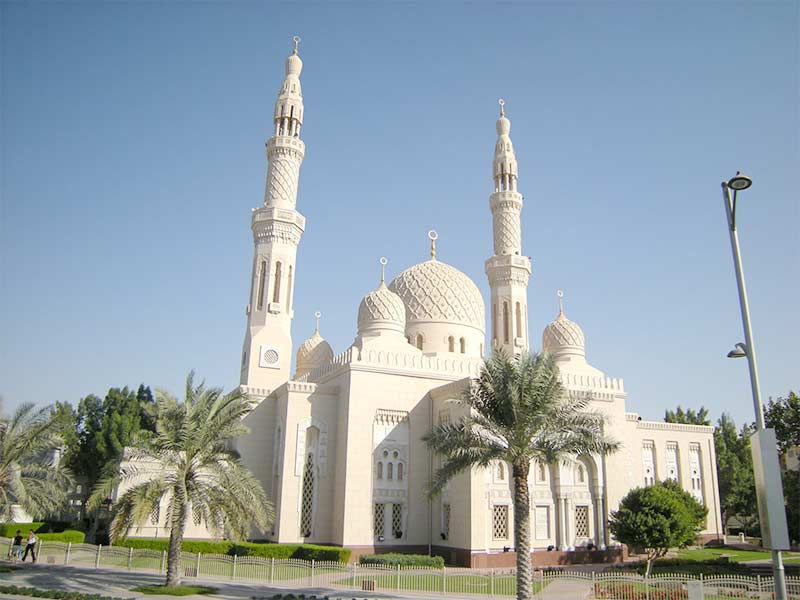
769	489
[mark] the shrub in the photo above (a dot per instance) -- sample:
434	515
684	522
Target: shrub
180	590
10	529
405	560
278	551
57	594
69	535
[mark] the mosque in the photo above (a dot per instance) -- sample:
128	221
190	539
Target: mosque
337	444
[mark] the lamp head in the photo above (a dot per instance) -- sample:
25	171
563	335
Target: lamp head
739	182
739	351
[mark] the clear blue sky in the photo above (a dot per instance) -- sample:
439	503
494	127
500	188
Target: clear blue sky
133	150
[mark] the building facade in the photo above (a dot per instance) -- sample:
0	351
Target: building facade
337	444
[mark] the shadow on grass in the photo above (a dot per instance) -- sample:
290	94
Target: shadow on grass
180	590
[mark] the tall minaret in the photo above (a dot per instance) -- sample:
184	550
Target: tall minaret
277	228
508	270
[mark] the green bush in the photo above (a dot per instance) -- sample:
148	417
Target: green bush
57	594
686	566
10	529
195	546
180	590
405	560
70	535
277	551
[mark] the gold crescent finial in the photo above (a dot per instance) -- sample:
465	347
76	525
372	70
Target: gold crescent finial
502	103
296	40
560	295
433	236
317	315
383	262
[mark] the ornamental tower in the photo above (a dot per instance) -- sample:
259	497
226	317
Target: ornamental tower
277	227
508	271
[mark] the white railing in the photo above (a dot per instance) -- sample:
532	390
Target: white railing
293	573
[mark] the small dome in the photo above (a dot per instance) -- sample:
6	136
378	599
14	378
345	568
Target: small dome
381	309
314	352
563	336
434	291
294	65
503	126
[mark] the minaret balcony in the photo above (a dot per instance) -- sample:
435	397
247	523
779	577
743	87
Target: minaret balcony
509	261
286	141
285	215
505	199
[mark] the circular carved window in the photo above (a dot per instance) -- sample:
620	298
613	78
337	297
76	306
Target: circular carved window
270	357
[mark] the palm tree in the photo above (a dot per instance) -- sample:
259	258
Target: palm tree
518	413
31	476
199	473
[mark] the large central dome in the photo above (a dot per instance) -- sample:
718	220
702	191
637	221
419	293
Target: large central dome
434	291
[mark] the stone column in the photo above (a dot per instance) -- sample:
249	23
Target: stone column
599	527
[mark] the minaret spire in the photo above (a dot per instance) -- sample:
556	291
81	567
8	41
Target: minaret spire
277	227
508	271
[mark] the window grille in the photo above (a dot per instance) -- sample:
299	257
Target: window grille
155	514
379	518
307	506
397	520
500	521
444	416
582	521
197	518
445	521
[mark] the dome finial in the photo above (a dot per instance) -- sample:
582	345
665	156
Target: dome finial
296	40
502	104
383	262
560	295
433	236
317	315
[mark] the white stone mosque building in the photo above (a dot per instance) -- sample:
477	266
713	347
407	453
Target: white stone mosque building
337	444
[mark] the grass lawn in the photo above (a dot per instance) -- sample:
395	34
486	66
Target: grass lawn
426	582
180	590
734	554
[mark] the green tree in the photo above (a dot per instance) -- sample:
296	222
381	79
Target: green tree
31	475
737	491
657	518
200	474
518	413
783	415
102	430
688	417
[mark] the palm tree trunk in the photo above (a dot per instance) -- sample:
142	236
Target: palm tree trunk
522	529
174	552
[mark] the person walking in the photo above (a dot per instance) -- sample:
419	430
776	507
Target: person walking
30	546
16	546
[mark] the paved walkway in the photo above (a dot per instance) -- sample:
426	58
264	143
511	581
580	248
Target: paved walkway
118	584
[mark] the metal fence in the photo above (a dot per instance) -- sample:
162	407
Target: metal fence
449	581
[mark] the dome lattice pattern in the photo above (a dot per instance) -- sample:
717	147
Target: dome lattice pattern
435	291
562	332
313	352
382	305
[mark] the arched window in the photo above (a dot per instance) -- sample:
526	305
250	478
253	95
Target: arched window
581	474
262	278
380	470
505	322
463	344
399	471
276	290
419	341
541	472
451	344
389	471
307	505
494	322
289	290
501	472
519	320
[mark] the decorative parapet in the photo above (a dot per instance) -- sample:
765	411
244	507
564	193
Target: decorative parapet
434	366
595	382
386	416
664	426
254	391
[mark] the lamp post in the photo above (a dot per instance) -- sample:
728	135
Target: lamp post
769	489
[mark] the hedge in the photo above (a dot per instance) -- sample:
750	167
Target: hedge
70	535
57	594
10	529
279	551
393	559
